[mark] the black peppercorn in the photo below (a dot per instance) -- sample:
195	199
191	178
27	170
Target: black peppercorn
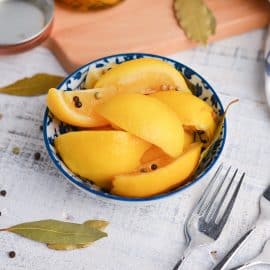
37	156
3	193
12	254
78	104
76	99
154	167
41	128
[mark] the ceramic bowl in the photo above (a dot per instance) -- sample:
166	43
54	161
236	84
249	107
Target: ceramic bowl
200	87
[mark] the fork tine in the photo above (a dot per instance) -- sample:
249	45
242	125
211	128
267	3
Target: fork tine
214	215
208	189
266	193
214	196
230	204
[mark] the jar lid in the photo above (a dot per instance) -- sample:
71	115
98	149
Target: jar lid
24	23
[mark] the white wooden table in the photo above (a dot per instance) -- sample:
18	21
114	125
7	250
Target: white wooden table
141	236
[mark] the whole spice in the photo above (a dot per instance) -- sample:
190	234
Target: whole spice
59	233
217	132
76	99
12	254
41	128
195	18
98	224
33	86
78	104
201	135
37	156
16	150
3	193
154	166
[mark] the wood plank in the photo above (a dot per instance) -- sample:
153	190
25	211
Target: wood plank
79	37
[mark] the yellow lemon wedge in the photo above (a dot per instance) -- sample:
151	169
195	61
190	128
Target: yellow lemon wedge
100	155
155	152
77	107
194	113
85	5
144	75
94	74
140	184
147	118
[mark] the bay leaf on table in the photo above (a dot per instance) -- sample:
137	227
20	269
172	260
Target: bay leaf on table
57	232
98	224
218	130
195	18
36	85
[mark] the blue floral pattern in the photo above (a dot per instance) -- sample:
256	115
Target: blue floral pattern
199	86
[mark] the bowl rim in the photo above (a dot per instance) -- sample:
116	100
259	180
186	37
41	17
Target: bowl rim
126	199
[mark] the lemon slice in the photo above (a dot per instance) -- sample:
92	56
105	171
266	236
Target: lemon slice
147	118
144	75
162	179
77	107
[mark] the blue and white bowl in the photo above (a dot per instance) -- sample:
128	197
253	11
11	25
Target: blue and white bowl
200	87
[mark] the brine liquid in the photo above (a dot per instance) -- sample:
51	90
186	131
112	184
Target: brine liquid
19	21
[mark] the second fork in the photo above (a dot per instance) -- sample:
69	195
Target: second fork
207	219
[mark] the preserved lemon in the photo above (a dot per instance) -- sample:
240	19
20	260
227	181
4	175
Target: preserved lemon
88	4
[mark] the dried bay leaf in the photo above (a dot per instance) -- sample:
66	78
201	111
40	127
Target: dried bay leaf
57	232
98	224
218	131
36	85
195	18
67	246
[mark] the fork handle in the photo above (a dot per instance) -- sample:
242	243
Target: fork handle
245	266
187	252
225	261
176	267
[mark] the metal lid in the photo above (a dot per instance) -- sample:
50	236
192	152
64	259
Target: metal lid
24	23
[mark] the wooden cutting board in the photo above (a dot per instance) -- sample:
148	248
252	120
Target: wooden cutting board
142	26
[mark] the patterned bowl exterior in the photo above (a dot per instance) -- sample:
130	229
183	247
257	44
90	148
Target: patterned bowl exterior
200	87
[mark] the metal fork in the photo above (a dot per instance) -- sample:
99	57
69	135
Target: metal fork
206	221
264	214
262	258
